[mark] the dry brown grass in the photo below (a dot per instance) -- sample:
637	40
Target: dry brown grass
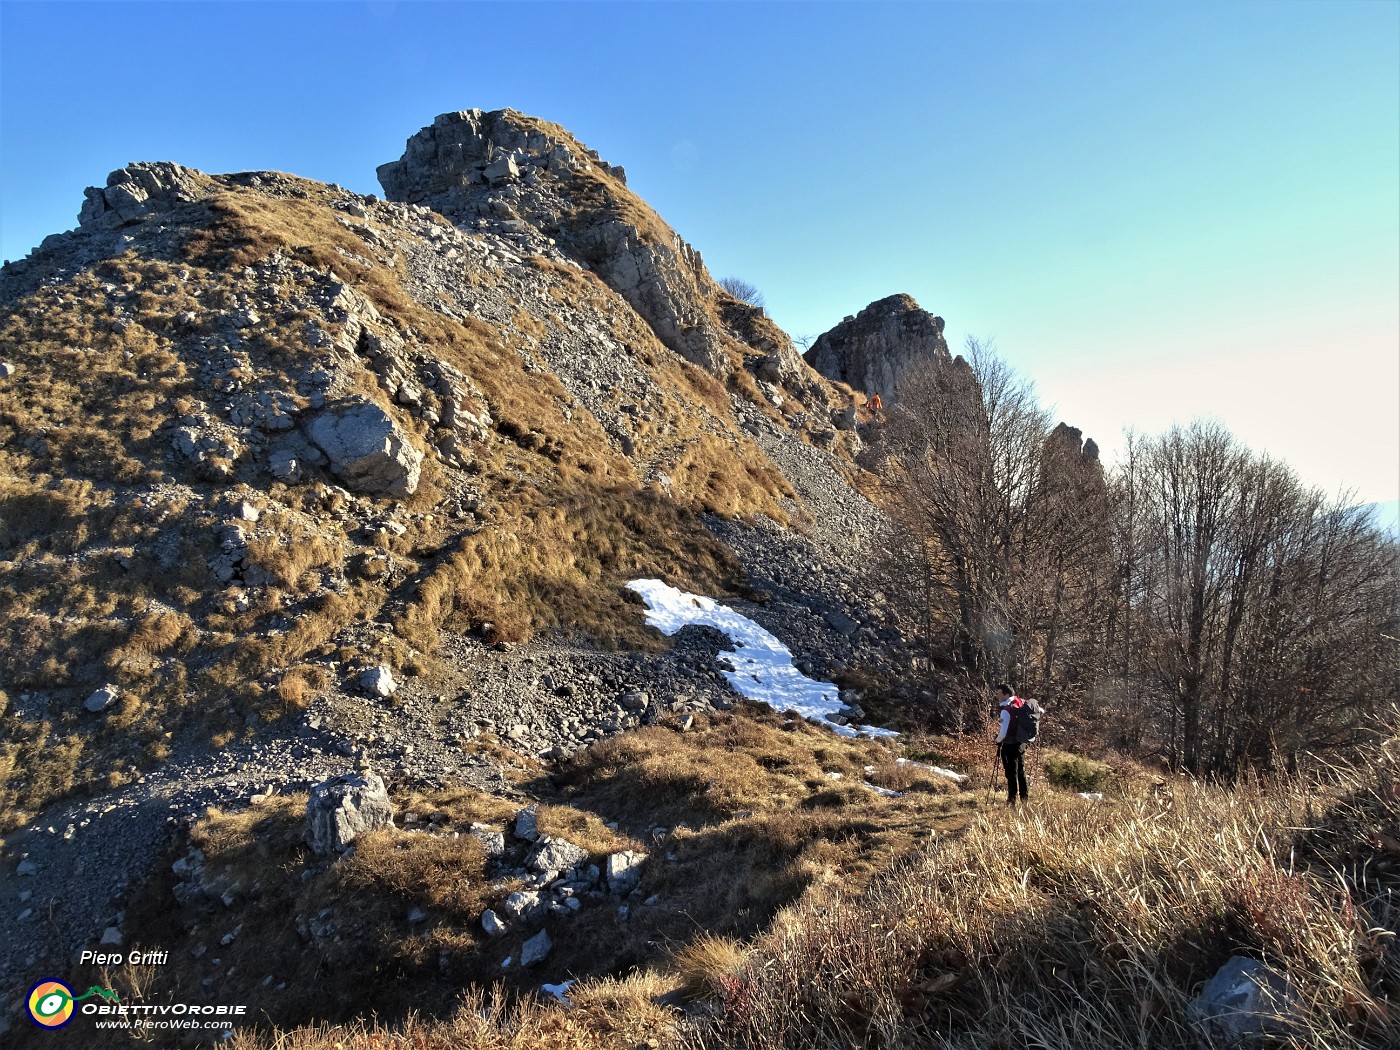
715	882
602	1015
1087	924
709	966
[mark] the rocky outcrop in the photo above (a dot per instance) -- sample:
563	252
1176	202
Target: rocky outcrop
873	349
133	192
366	448
1072	440
532	181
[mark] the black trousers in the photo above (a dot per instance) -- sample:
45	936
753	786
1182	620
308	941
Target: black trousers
1013	760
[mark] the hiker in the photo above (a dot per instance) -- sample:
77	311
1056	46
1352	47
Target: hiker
876	408
1020	723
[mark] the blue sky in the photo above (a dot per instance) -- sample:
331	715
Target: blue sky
1157	210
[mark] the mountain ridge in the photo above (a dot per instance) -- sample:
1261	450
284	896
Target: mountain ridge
263	441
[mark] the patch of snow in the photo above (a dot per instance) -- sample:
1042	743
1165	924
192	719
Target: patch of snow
559	991
760	668
886	792
956	778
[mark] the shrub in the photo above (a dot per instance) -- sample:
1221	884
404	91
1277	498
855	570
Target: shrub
1074	773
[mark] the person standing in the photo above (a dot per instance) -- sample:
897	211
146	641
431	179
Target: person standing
1012	749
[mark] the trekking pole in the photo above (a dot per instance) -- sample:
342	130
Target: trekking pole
992	770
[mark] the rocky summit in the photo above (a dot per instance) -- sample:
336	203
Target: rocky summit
301	488
872	350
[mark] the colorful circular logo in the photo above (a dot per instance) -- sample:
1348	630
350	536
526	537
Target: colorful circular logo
51	1004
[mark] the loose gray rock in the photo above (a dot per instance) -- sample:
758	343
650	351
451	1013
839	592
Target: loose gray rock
634	700
344	807
27	868
492	924
493	841
284	465
536	949
624	871
527	824
6	370
366	448
551	854
841	623
111	936
522	904
1244	1004
102	698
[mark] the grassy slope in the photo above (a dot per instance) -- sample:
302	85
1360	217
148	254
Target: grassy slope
752	822
1072	925
88	491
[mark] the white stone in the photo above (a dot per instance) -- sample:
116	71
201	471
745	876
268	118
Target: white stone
527	824
492	924
536	949
6	370
624	871
551	854
379	681
102	698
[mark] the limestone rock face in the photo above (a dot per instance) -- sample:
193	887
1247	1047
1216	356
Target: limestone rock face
366	449
344	807
531	180
873	349
138	189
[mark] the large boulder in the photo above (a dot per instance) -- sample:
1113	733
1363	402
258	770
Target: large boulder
873	349
366	448
345	807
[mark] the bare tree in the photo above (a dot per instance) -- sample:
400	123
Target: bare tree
1228	616
1254	610
962	453
743	291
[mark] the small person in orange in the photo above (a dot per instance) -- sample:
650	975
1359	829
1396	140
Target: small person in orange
876	407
